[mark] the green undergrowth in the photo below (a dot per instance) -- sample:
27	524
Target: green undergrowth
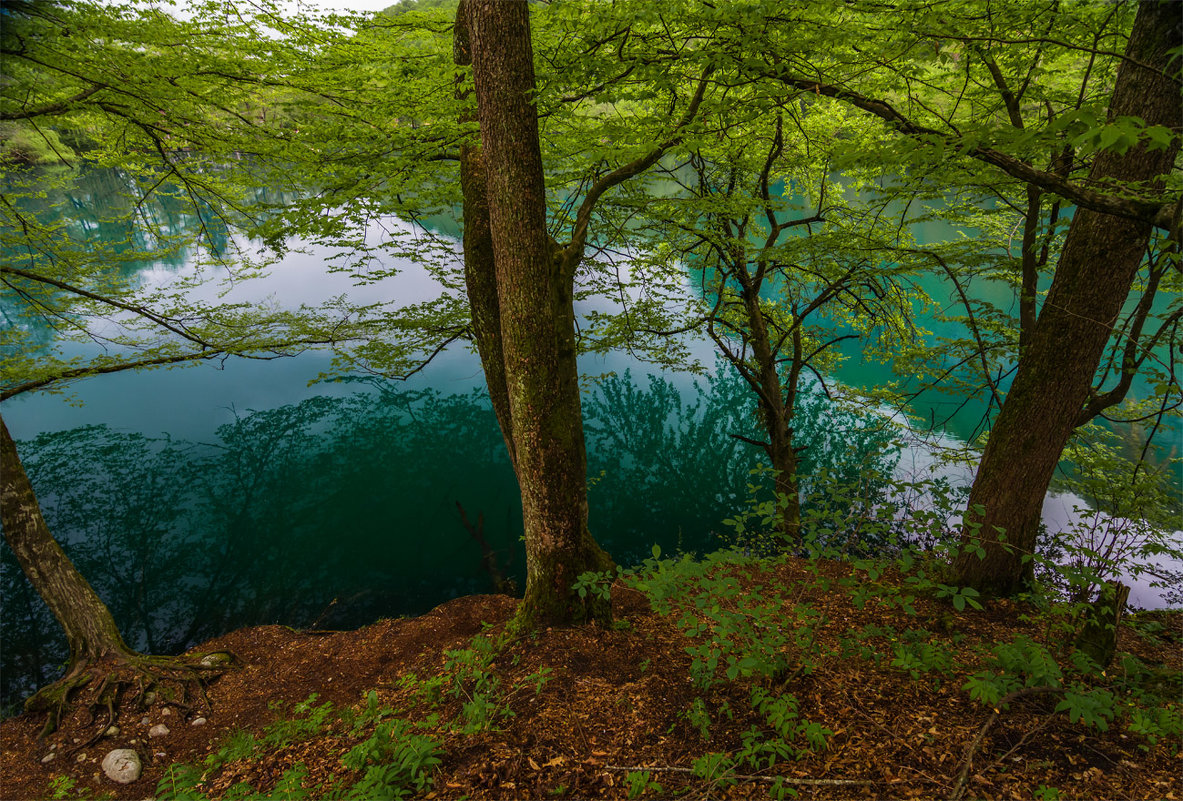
393	757
753	640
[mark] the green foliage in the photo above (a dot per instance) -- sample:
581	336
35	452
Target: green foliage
25	144
599	584
308	721
1132	512
64	787
397	762
915	658
1155	724
640	782
698	717
716	769
1016	664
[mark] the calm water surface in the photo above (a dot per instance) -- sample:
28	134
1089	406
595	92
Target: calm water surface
203	499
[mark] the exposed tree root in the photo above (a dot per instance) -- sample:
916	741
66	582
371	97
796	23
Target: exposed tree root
128	679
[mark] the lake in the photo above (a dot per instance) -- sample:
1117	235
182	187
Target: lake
237	493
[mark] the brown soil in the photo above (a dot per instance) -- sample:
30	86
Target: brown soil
616	701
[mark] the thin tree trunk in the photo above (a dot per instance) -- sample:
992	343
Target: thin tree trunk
90	629
776	413
536	322
1058	363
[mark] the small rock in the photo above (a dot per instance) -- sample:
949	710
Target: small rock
144	721
160	754
166	712
159	730
81	757
53	746
122	765
77	740
198	722
214	659
45	760
112	731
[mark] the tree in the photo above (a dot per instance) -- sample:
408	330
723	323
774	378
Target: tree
925	86
782	280
96	646
1052	392
531	321
535	318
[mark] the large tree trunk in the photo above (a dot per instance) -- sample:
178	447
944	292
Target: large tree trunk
90	629
480	274
536	322
1058	362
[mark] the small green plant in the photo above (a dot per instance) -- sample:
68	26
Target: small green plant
717	770
915	658
640	782
1158	724
309	721
179	783
65	787
1045	793
599	584
700	718
397	762
369	715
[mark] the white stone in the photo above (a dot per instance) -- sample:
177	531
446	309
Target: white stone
122	765
47	758
159	730
166	712
144	721
112	731
81	757
198	722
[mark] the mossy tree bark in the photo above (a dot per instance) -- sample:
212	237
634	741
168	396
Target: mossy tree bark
535	318
90	629
1052	387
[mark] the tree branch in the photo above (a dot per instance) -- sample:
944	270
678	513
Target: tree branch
574	251
52	108
1157	212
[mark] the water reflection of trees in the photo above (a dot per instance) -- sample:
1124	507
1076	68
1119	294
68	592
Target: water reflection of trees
339	510
670	466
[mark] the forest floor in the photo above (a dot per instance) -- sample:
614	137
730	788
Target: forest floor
614	713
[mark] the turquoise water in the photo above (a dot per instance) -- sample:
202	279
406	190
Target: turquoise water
203	499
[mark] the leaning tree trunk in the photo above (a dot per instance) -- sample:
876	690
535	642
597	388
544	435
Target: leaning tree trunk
536	322
96	647
90	629
1058	363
